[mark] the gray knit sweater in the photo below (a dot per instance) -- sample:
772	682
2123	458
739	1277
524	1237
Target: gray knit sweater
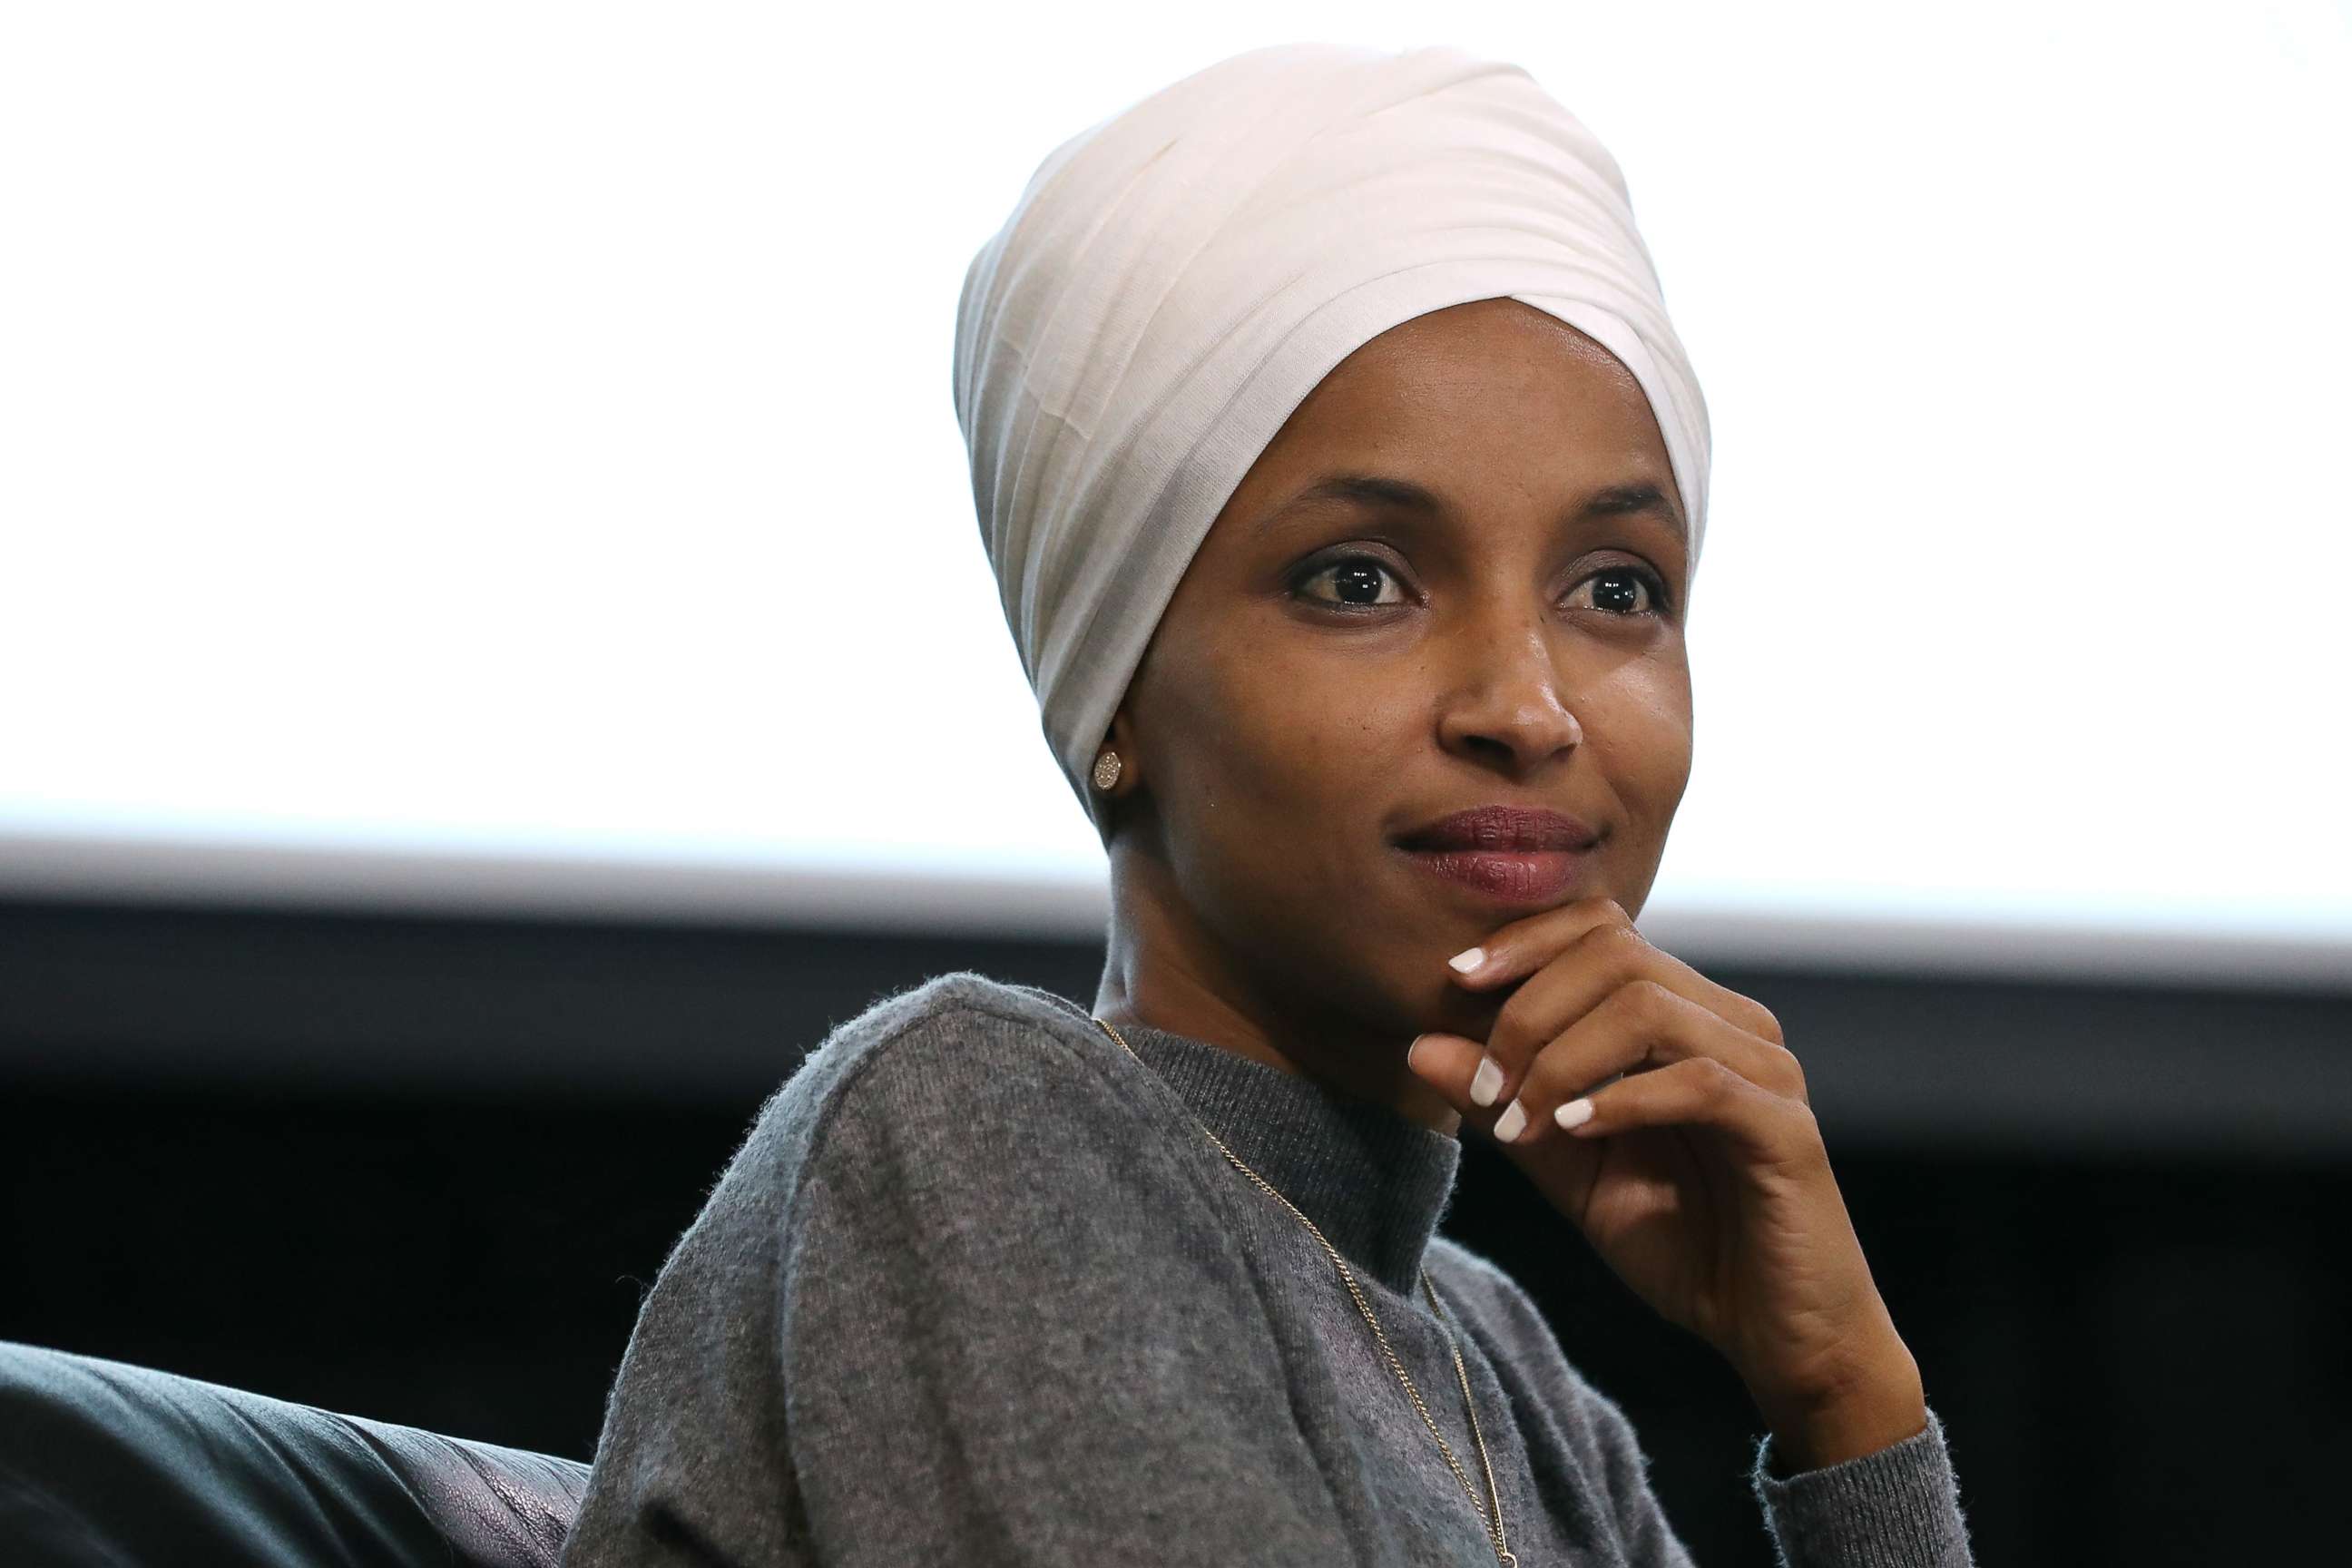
976	1290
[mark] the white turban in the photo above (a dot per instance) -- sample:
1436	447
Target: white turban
1175	280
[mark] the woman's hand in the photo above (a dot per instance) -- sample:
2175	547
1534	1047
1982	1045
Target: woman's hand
1699	1175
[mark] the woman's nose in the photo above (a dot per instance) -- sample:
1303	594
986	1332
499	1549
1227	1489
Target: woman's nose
1507	704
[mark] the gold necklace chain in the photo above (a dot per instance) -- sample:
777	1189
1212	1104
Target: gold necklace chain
1493	1521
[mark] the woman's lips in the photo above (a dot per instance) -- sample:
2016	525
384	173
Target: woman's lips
1512	876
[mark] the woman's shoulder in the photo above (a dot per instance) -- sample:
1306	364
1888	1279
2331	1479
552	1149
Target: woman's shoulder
961	1023
961	1057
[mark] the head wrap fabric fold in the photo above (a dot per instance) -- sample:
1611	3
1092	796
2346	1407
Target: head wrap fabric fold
1175	280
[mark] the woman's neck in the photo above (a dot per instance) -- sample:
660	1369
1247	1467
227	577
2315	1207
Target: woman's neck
1153	975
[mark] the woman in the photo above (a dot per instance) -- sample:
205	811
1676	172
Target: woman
1345	482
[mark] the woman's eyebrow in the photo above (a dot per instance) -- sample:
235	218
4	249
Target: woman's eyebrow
1618	501
1378	490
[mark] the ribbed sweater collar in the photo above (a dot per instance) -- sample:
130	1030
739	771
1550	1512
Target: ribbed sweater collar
1372	1179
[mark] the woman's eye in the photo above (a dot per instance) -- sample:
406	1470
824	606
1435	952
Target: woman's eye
1356	583
1611	593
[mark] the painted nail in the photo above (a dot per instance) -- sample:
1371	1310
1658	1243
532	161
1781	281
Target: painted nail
1413	1051
1468	959
1487	1083
1514	1122
1575	1113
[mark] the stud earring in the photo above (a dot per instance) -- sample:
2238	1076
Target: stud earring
1106	769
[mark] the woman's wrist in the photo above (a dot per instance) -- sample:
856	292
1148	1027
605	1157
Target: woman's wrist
1878	1407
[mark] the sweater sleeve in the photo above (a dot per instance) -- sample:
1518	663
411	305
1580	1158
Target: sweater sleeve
1896	1508
1014	1329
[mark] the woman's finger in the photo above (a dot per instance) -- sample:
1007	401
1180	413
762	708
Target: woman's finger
1635	1031
1601	960
1457	1069
1518	949
1611	971
1702	1091
1530	949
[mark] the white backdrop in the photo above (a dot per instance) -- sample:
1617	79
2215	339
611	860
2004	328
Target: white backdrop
498	454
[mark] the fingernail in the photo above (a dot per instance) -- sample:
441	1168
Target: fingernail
1513	1121
1487	1083
1468	959
1575	1113
1412	1052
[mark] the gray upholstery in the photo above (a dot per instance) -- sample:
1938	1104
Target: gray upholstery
101	1462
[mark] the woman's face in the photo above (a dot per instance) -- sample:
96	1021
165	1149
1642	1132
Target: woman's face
1338	668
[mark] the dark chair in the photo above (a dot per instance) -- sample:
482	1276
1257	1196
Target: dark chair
105	1463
